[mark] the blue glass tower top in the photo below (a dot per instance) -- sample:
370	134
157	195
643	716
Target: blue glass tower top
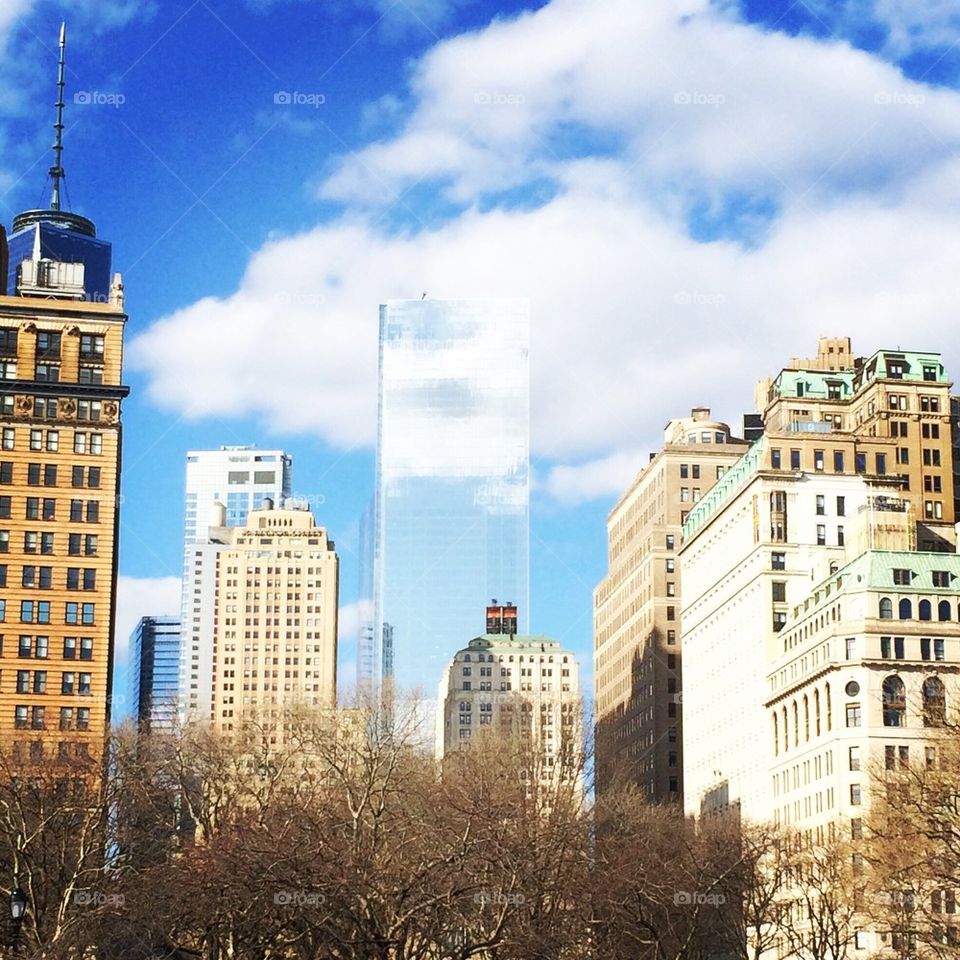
64	237
64	244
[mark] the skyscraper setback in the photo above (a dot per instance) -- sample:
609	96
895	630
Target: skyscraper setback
452	503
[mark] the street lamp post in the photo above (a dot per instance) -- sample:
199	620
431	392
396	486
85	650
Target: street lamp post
18	907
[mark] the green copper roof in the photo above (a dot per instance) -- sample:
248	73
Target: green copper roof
916	367
813	383
736	477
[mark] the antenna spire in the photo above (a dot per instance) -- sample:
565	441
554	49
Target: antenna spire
57	171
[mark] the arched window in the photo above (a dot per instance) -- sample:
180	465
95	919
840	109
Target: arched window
934	702
826	692
906	609
816	712
776	735
925	610
943	610
796	725
806	719
886	608
466	658
786	732
894	702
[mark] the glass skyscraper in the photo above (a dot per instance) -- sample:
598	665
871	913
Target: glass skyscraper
155	676
451	524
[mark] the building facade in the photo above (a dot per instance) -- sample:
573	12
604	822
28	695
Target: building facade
856	456
60	365
452	509
155	673
508	684
637	656
275	639
240	478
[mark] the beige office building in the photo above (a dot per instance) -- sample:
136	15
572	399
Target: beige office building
637	659
275	634
502	684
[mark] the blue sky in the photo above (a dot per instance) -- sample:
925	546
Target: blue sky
690	193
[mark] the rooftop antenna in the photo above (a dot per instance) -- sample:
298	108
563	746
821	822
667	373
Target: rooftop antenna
57	171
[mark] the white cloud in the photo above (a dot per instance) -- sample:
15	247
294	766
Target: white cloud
633	320
607	477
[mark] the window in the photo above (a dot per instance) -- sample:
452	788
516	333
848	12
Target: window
671	613
886	608
779	620
855	794
894	702
69	648
684	494
49	475
88	409
83	718
83	685
79	442
93	476
929	404
779	591
670	541
881	463
840	537
86	648
854	753
924	610
853	714
838	461
934	702
930	431
671	565
794	459
76	510
90	544
39	681
906	609
821	534
778	561
48	345
821	505
45	408
53	440
20	717
93	511
860	462
46	543
66	718
818	460
37	718
91	348
8	341
90	375
931	457
943	610
76	477
775	461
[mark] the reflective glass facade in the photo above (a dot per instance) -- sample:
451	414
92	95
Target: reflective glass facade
452	511
65	246
155	647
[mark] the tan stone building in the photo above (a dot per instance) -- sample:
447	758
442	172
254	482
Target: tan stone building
887	415
637	662
275	634
508	685
60	395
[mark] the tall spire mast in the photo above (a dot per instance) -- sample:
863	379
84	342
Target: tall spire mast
56	171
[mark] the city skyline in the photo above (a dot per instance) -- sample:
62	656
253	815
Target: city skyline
892	87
